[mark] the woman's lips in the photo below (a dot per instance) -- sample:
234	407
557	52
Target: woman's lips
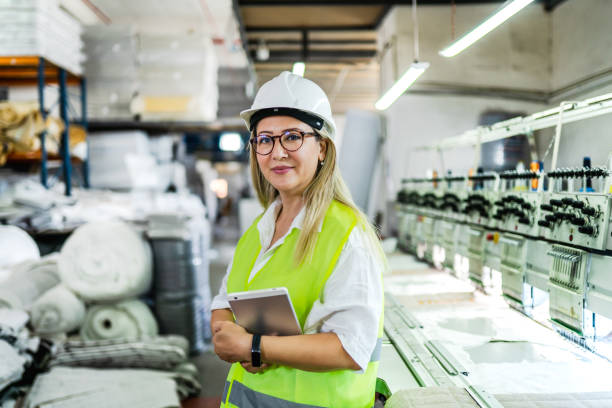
281	169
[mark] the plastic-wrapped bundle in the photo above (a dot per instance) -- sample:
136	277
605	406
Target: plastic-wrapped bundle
28	281
180	270
57	311
130	319
182	292
186	317
16	246
106	262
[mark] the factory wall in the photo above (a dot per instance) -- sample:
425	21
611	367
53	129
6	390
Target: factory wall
581	41
580	54
535	51
515	56
418	120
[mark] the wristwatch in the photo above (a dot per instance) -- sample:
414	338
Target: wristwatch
256	351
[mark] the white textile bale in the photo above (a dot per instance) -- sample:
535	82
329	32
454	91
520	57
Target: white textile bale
58	310
131	319
106	262
28	281
16	246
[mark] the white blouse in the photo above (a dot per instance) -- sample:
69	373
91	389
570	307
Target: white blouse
353	294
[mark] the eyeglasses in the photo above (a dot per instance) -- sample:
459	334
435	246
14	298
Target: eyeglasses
291	140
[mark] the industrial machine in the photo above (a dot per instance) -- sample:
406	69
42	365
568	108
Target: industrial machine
537	237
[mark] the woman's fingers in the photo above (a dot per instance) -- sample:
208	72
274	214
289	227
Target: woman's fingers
253	370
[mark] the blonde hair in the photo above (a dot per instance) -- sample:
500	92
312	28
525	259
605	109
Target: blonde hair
317	198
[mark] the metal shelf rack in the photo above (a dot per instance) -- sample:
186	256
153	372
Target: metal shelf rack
39	72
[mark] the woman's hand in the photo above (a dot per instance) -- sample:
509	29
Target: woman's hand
254	370
232	343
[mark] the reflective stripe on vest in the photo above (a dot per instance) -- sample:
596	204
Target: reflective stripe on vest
282	386
244	397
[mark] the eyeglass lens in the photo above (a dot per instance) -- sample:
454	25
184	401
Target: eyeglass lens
290	141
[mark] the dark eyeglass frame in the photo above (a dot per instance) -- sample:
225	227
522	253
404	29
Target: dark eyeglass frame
279	137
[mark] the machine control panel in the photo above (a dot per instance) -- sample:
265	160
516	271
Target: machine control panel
518	212
581	219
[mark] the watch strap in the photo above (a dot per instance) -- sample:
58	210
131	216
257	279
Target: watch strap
256	351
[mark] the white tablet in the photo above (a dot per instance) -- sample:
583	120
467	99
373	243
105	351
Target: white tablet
265	311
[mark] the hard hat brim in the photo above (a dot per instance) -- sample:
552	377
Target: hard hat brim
327	130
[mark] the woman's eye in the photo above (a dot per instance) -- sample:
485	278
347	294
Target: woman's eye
263	140
292	137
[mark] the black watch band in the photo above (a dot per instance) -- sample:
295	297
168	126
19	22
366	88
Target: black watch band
256	351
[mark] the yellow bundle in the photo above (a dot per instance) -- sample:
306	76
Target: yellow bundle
21	124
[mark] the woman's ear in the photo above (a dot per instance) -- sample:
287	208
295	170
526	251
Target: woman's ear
322	149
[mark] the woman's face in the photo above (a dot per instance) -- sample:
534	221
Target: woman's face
289	172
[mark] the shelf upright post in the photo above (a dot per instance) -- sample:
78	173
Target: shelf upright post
43	134
84	124
65	145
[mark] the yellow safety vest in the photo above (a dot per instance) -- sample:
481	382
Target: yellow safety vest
281	386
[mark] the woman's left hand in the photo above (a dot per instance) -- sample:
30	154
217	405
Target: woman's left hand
232	343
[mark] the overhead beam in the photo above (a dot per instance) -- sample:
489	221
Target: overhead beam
550	5
277	29
336	3
316	55
275	41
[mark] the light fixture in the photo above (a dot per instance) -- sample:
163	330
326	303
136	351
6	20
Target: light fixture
219	187
400	86
263	52
85	12
230	142
415	70
299	68
507	10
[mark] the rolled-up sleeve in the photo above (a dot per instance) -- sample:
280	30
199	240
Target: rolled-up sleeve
352	300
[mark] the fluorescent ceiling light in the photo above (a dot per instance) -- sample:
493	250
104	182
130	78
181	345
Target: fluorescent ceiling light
507	10
230	142
399	87
86	14
299	68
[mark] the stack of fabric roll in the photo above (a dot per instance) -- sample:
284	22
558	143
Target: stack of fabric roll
181	290
108	265
92	285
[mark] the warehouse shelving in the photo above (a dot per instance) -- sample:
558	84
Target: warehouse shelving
40	72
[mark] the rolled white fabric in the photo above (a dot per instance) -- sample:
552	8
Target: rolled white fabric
106	262
130	319
16	246
58	310
28	281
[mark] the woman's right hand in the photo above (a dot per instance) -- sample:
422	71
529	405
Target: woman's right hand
254	370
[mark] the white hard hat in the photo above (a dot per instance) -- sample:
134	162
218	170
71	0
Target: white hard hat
292	95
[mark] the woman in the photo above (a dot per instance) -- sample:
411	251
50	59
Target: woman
314	241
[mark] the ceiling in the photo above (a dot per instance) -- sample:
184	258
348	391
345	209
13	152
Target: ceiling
336	39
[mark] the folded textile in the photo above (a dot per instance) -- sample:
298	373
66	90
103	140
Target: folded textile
130	319
11	364
13	319
68	387
28	281
58	310
106	262
160	353
16	246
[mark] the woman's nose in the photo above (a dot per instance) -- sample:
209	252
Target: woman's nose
278	151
